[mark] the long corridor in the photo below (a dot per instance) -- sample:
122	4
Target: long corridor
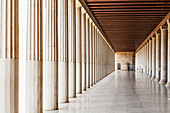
122	92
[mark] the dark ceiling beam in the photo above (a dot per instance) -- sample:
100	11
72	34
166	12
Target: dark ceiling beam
126	1
128	4
132	12
129	7
128	22
164	21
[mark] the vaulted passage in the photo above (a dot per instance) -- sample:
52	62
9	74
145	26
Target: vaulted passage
94	56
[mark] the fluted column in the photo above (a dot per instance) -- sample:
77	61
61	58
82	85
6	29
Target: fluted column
83	51
97	77
93	47
94	55
164	38
147	58
168	66
99	48
158	55
150	58
34	68
9	54
50	78
72	47
78	50
63	50
144	59
88	50
91	54
153	58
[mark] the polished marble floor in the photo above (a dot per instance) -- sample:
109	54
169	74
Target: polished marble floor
121	92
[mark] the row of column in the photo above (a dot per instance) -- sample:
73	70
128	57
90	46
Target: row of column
65	54
153	58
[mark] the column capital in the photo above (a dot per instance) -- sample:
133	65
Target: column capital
91	20
83	10
78	3
87	16
158	32
150	39
163	27
168	21
154	36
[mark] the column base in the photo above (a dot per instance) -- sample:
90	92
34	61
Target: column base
146	75
162	82
156	80
153	77
149	76
167	84
50	111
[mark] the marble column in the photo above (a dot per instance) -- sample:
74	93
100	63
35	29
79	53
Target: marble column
91	54
164	38
83	50
94	55
150	58
72	47
153	58
168	66
97	56
158	53
147	58
144	59
34	55
78	50
50	77
9	55
63	50
88	50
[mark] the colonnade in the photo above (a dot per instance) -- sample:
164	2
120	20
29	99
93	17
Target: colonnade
65	54
153	57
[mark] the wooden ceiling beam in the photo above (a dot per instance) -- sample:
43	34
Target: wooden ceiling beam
128	22
156	29
130	7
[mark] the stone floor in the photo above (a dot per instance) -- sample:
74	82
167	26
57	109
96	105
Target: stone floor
121	92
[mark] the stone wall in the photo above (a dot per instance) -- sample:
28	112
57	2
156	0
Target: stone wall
123	58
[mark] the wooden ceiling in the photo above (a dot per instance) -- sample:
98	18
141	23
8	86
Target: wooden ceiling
128	22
